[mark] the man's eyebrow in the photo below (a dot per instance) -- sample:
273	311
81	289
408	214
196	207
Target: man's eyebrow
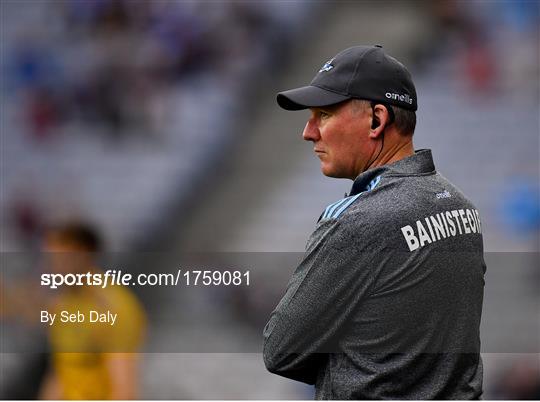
328	109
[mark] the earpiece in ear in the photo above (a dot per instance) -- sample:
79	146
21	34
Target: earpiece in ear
375	123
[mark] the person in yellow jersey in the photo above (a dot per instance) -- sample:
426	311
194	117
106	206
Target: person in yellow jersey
95	332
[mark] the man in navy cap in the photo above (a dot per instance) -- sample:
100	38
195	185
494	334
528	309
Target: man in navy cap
388	298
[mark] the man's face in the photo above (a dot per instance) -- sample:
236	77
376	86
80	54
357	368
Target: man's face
340	135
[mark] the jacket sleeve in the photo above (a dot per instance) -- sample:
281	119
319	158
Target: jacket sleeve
322	294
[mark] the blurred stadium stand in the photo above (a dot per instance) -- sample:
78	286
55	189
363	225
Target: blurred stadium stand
157	120
115	111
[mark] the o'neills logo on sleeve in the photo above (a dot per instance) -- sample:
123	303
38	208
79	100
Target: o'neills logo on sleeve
402	98
440	226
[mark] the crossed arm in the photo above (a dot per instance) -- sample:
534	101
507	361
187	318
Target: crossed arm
310	319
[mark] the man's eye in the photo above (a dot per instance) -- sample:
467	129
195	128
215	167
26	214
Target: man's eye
324	115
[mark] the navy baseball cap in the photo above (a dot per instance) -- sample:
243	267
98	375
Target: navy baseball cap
361	72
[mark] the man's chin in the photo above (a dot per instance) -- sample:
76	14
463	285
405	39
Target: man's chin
328	172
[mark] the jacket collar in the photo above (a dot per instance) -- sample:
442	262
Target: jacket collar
419	163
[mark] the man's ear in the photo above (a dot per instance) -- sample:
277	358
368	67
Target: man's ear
375	122
379	120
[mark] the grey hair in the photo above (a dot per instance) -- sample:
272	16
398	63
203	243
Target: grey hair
404	120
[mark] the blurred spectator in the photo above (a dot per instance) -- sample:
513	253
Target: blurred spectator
26	219
90	360
478	61
44	112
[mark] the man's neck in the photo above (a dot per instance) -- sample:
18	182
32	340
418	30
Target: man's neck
394	153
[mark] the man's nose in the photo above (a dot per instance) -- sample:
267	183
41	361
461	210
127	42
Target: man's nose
311	131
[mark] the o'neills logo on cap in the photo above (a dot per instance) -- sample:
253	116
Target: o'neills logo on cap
402	98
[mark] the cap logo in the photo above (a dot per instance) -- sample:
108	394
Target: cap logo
402	98
327	66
